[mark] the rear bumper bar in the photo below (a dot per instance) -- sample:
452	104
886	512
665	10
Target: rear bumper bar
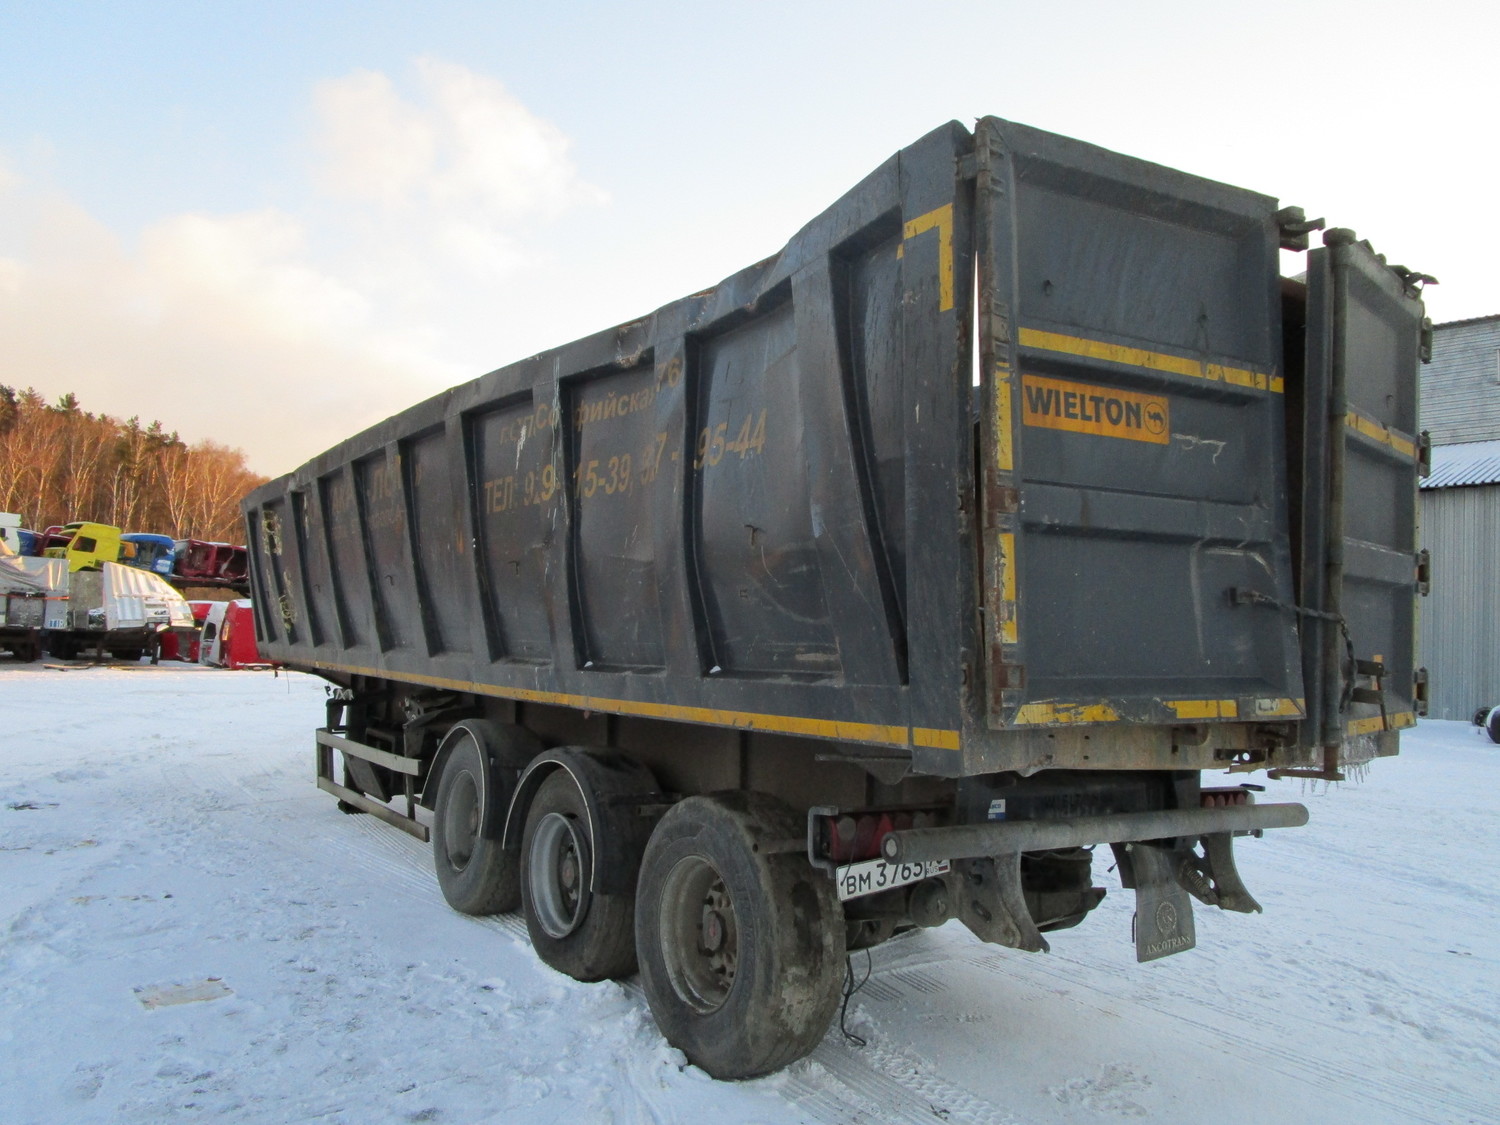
1005	837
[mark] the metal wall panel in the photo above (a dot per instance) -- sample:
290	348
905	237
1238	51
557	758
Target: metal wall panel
1461	387
1472	462
1460	619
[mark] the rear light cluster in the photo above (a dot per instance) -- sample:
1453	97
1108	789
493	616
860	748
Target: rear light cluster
1224	798
854	837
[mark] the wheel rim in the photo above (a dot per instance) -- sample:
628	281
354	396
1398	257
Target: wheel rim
461	820
700	935
557	869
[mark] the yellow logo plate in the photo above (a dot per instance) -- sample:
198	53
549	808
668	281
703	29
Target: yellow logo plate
1083	408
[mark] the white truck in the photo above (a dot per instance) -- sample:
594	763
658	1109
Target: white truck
23	603
116	610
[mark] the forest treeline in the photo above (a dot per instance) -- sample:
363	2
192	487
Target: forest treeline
59	462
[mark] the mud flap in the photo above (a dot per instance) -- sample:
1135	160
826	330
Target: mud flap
1163	910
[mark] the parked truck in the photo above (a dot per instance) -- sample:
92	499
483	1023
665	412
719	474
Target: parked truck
1017	506
115	610
23	606
19	540
85	545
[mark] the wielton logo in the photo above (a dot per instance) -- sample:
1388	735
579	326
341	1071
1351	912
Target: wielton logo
1083	408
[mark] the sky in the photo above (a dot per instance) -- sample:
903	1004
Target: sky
273	224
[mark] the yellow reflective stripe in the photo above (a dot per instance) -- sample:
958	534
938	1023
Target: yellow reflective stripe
1007	563
1059	714
942	220
1373	429
1005	459
940	739
1153	361
1374	724
743	720
1204	708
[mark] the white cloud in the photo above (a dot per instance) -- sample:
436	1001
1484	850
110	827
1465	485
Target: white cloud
254	267
216	326
12	274
457	171
376	147
242	327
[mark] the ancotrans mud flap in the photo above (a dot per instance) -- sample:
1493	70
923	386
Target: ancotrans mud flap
1163	910
1361	572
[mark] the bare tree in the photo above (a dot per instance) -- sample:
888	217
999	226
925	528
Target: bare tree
59	463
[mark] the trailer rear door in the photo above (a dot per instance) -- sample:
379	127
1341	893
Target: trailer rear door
1135	532
1360	570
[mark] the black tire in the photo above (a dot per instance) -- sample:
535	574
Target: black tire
482	763
742	952
587	935
1492	724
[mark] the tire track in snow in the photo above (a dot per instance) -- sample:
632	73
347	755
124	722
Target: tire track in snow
897	1086
1410	1098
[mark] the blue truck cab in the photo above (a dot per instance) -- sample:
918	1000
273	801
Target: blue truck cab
152	552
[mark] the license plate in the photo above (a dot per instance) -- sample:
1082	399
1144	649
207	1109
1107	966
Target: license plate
873	875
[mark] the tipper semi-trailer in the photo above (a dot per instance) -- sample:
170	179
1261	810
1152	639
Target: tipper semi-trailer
1017	506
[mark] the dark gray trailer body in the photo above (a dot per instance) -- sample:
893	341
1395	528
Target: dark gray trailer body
1018	480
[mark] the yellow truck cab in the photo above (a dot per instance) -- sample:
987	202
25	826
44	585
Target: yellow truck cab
91	546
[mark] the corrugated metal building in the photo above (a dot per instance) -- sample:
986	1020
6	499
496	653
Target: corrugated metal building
1460	634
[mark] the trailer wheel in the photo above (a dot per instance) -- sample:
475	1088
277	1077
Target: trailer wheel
741	945
574	928
473	870
1492	724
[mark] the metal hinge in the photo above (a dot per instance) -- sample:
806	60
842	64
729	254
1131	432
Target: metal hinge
1295	227
1424	572
1006	677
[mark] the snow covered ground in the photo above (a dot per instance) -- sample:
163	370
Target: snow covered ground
190	930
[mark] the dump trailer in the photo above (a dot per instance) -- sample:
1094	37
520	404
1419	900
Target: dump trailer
1017	506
